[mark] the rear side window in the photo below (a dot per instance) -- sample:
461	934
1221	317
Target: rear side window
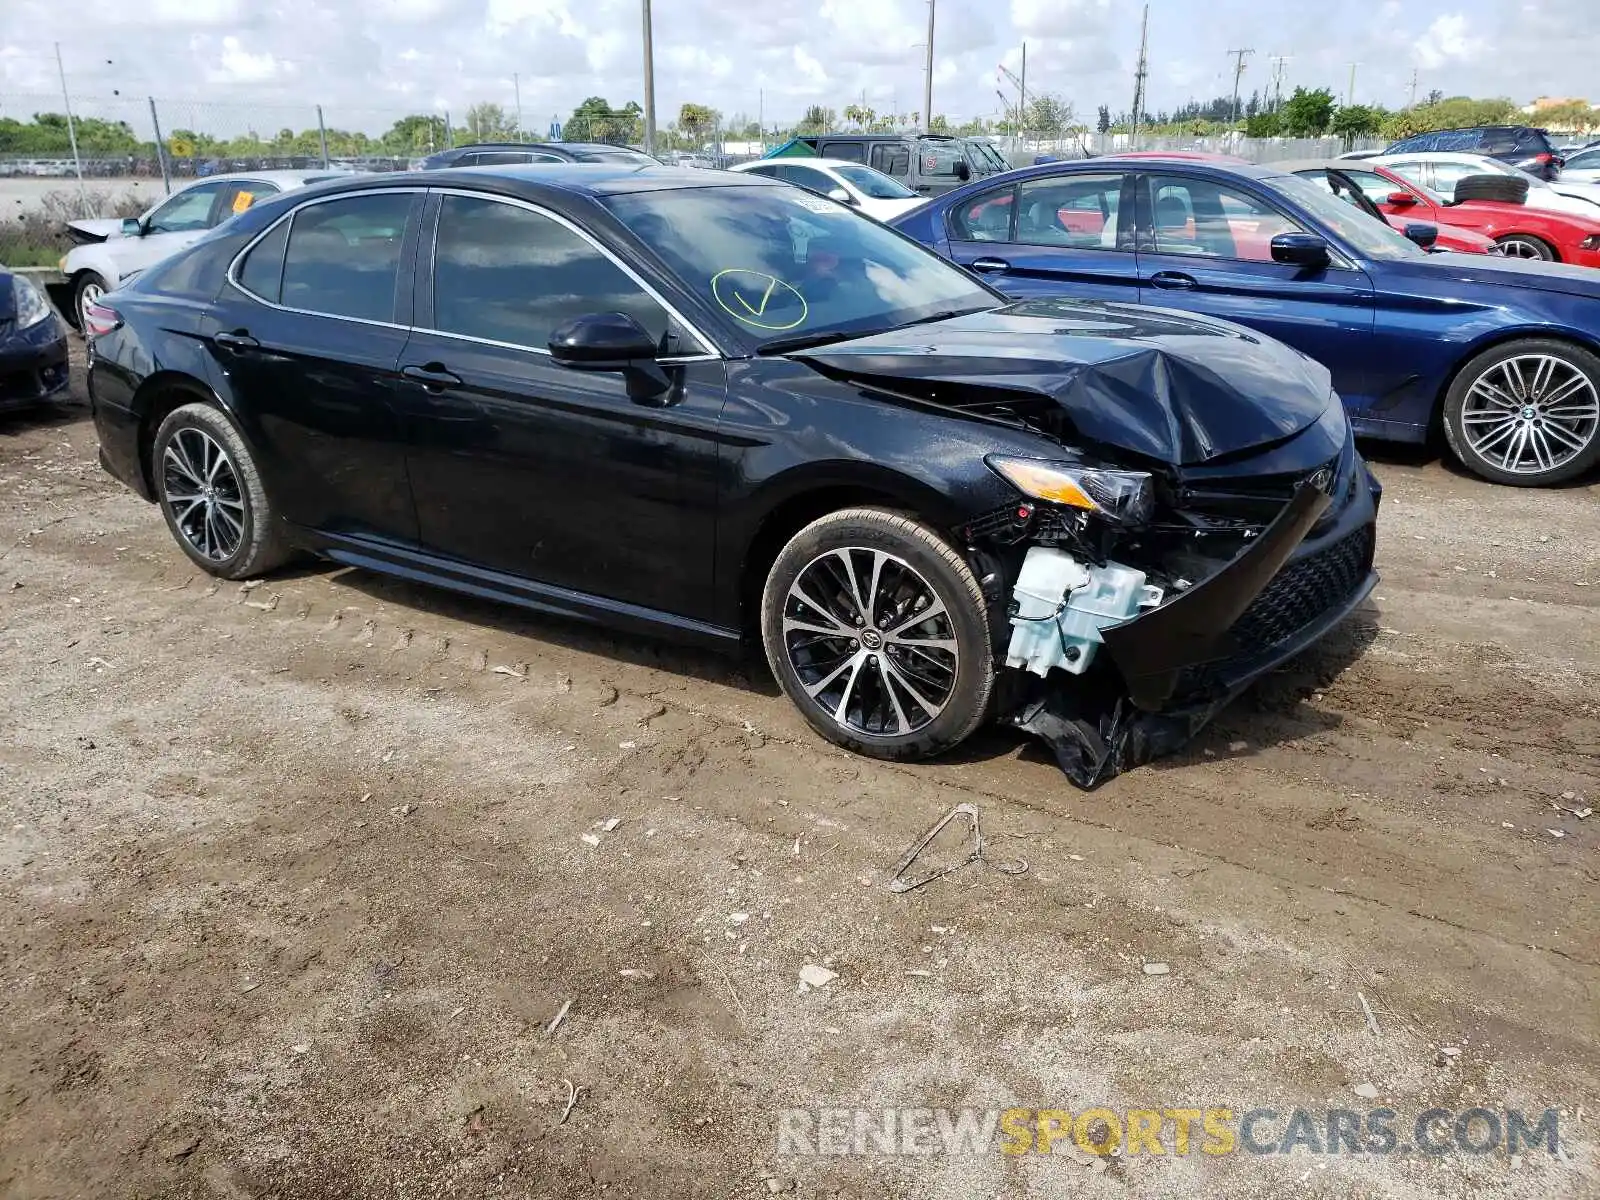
261	273
1077	211
1498	141
985	218
504	273
343	257
849	151
892	159
1533	141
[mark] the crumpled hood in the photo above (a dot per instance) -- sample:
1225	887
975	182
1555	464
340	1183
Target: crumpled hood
93	229
1169	386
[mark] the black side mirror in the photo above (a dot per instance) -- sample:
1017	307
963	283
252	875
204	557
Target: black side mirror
611	341
1422	233
963	172
1300	250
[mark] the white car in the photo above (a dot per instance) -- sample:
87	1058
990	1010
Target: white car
110	249
1582	167
1441	170
852	183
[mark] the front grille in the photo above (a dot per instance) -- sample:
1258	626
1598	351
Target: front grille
1303	591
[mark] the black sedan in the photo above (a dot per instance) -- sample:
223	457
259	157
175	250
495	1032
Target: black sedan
720	408
507	154
33	344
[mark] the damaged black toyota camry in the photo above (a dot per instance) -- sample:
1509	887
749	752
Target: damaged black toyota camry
725	409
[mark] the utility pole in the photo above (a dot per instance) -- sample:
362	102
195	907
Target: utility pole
1238	70
1413	103
1350	95
649	86
161	149
322	135
1139	78
1279	61
72	133
927	81
1022	90
516	88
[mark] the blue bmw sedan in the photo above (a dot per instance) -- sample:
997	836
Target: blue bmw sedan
1503	354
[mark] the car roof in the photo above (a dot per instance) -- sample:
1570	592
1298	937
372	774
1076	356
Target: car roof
1444	156
533	181
294	178
1291	165
799	162
1084	166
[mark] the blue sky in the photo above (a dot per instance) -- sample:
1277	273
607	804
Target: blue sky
393	56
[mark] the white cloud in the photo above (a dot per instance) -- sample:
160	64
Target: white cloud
1449	39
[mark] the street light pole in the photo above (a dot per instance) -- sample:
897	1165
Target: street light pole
516	87
72	133
649	86
927	83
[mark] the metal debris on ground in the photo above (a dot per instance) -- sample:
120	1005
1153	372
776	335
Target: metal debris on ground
611	824
898	883
636	973
1372	1020
812	975
561	1016
1151	968
572	1100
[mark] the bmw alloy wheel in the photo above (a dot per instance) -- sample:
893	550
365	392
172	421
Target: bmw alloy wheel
1531	414
871	641
89	293
202	491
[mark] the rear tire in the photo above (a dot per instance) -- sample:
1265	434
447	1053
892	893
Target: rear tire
1503	189
1526	413
1526	245
841	627
212	496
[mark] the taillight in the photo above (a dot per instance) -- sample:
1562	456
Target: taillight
99	319
1544	159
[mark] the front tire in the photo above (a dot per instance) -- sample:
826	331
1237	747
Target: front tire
1526	245
1526	413
212	495
87	290
877	630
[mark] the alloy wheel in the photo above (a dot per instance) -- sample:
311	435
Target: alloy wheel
1517	247
202	492
871	641
1531	414
89	293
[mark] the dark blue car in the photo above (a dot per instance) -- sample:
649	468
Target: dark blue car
1504	354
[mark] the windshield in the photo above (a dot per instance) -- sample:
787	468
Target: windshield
991	156
615	154
783	264
1368	236
874	184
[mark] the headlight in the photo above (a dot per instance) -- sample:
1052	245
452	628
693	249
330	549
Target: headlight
1125	497
31	306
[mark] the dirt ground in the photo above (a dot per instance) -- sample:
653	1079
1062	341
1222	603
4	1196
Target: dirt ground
294	881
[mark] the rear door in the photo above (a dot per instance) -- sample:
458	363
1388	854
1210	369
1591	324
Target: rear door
307	336
1054	235
530	469
1205	246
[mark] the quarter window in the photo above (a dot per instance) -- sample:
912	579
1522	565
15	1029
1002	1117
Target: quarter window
1201	218
1078	211
507	274
892	158
261	273
343	256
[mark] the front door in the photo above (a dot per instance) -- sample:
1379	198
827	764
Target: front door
1057	235
1206	247
525	467
309	337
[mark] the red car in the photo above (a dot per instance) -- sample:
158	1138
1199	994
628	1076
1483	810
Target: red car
1519	231
1369	187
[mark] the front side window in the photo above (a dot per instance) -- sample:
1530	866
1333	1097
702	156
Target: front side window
780	264
1374	186
188	211
1077	211
1210	220
505	273
343	257
940	159
984	218
1367	235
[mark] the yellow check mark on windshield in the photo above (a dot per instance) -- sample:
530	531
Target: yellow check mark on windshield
766	298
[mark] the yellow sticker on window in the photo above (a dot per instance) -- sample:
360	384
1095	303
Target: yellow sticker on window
243	201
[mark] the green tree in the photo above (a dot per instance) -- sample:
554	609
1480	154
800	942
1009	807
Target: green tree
1453	112
1308	114
1103	124
1046	117
419	133
697	121
1353	121
816	120
1263	125
488	122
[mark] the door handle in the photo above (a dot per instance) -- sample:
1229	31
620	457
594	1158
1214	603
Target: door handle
433	376
1173	281
239	339
990	264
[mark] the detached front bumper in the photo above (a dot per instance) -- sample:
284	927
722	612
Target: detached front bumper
1180	664
33	363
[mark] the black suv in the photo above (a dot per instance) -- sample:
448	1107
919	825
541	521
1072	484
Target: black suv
505	154
928	163
1522	146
